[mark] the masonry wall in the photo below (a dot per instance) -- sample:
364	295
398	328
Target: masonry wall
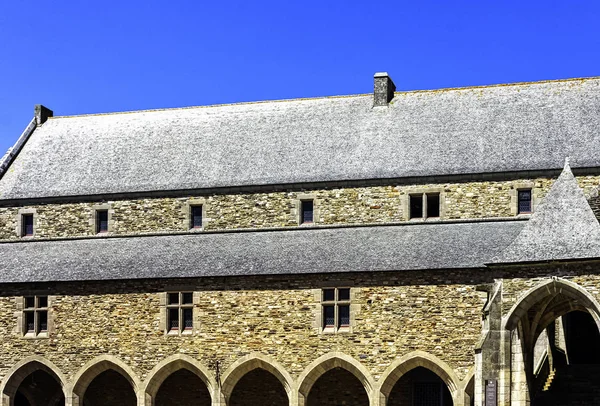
373	204
396	313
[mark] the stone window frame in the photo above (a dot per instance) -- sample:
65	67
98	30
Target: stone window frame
514	197
164	308
20	316
187	215
94	220
318	309
297	207
19	229
405	202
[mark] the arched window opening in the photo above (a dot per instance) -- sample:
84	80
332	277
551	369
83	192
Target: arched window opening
109	388
259	387
183	388
39	388
338	387
420	387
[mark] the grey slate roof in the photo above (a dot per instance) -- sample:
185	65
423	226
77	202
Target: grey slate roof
377	248
455	131
562	227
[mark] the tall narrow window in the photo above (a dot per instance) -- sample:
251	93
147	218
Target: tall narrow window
35	315
101	221
306	211
335	304
196	217
416	206
26	225
180	312
524	205
433	205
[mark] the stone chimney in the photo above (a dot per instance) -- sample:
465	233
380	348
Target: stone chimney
42	114
384	89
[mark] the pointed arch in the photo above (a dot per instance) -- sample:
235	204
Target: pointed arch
172	364
250	362
413	360
22	369
549	288
327	362
95	367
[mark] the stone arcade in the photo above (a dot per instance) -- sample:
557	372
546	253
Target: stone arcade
397	248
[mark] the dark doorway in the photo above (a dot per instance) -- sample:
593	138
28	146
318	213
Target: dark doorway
338	387
259	387
420	387
183	388
39	388
109	388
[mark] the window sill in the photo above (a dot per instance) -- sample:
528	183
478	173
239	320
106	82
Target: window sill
33	336
178	333
333	330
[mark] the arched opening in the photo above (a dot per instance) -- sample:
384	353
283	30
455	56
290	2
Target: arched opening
337	386
109	388
420	387
39	388
554	345
33	381
259	387
182	388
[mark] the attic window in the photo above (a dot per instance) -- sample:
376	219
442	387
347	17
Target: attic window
524	201
424	205
196	216
306	211
26	225
101	221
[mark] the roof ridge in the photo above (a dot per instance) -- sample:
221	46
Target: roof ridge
348	96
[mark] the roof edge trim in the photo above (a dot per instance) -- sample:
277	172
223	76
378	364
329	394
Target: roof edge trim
13	151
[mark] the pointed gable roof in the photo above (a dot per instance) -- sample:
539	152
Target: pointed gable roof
563	227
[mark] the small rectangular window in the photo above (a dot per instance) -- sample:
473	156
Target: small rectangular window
524	205
335	308
433	205
416	206
101	221
26	225
180	311
306	211
35	315
196	217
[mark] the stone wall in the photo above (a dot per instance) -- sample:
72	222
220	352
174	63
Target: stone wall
374	204
399	313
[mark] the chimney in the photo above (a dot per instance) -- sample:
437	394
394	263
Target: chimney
384	89
42	114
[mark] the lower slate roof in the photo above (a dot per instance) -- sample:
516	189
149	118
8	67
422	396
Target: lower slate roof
299	251
521	127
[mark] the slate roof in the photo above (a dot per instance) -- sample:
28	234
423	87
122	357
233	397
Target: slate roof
448	132
563	227
303	251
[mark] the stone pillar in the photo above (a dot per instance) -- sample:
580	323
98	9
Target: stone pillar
519	389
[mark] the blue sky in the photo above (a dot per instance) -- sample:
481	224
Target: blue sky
88	57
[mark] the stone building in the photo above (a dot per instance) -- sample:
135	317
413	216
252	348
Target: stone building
397	248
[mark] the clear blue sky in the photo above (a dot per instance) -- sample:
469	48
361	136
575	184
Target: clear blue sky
87	57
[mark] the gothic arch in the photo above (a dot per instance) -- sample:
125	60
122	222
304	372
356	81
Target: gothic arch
326	363
173	364
22	370
95	367
550	288
415	359
250	362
